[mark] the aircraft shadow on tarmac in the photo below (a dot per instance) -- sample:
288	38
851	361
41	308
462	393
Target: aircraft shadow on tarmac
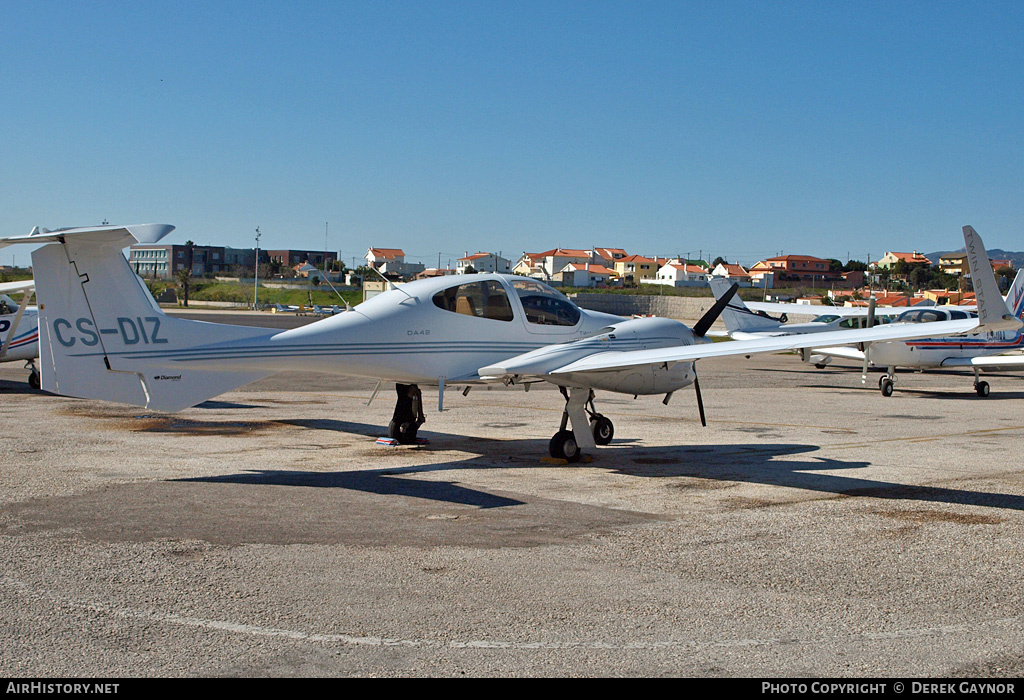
747	463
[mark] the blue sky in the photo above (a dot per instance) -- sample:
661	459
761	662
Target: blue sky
741	129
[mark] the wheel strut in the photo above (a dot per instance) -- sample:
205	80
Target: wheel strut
408	416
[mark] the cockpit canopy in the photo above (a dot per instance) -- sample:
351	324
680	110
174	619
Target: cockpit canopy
7	305
932	314
489	299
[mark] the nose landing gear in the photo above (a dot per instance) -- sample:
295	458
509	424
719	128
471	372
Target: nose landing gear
408	416
589	428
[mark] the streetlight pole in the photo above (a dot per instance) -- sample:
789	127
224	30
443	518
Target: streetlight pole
256	280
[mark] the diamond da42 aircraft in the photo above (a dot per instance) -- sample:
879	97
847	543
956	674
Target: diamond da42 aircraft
102	336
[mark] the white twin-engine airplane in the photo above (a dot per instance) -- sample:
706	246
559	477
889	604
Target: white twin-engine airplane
102	336
19	328
977	349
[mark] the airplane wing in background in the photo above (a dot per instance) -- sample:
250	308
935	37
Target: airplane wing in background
20	286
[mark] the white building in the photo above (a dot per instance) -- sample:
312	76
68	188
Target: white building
483	262
676	274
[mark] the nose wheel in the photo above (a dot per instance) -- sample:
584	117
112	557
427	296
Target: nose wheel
596	428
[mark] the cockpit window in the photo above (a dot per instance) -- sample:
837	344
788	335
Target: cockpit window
7	305
921	316
479	299
826	318
544	306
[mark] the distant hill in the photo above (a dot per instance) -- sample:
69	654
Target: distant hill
993	254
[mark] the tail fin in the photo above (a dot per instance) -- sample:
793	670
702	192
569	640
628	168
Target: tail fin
992	315
1015	295
101	334
736	315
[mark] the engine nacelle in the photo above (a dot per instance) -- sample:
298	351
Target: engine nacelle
625	336
646	379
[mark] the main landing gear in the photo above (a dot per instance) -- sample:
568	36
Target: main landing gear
980	387
886	381
33	378
594	429
408	416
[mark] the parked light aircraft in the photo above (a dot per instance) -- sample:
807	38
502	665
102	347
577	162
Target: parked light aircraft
19	331
742	322
975	350
105	338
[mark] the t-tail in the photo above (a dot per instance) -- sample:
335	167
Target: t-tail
993	313
101	334
736	316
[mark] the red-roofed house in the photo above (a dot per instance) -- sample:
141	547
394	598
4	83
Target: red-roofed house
736	273
585	275
797	268
632	269
891	258
375	257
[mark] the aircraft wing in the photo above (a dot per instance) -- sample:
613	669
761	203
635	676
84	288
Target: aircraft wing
19	286
614	360
821	309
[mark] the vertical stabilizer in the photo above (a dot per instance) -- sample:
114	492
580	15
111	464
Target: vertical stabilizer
736	316
993	314
103	337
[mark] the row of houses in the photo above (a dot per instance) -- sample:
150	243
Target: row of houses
571	267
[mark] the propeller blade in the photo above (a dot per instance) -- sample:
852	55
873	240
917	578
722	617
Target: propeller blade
700	401
704	324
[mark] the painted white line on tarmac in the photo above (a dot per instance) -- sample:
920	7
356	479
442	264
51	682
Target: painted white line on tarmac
982	627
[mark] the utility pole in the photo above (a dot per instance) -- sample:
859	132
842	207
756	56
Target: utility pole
256	280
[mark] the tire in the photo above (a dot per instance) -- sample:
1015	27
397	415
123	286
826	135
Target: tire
886	387
33	380
602	429
403	431
982	388
563	446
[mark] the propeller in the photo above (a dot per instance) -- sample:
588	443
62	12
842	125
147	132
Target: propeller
706	321
701	329
700	401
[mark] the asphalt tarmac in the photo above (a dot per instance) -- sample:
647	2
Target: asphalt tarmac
813	528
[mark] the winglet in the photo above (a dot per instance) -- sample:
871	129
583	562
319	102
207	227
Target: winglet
992	314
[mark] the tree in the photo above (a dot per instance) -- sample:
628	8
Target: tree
184	277
718	261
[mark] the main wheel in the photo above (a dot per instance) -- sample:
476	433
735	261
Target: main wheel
981	388
886	387
403	431
602	429
563	446
33	380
